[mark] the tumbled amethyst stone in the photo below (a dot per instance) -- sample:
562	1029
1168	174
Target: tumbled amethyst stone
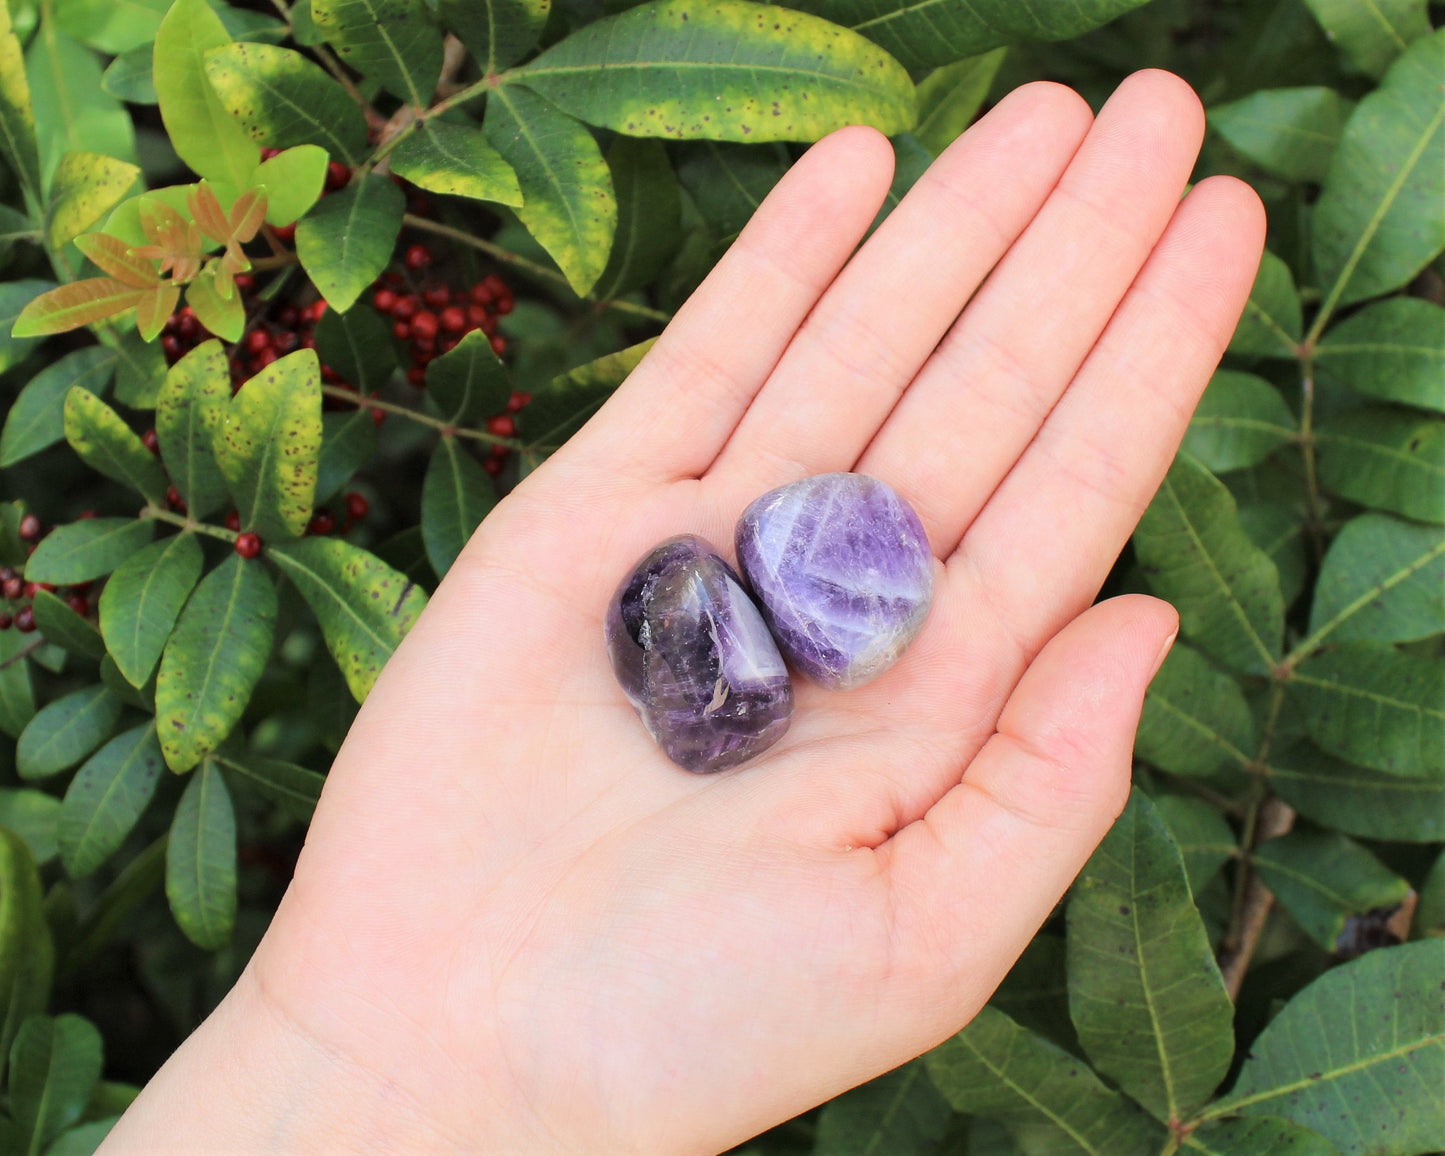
696	659
843	572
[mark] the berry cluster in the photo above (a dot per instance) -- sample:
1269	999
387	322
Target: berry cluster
19	594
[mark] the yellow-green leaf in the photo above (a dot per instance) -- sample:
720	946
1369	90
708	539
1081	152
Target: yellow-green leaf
74	305
190	408
85	187
109	446
17	119
455	159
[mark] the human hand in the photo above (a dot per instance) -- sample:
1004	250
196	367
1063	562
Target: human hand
516	927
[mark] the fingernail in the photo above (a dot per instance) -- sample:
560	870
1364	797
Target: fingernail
1163	653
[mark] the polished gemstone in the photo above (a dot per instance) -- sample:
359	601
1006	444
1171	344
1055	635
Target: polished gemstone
842	570
695	658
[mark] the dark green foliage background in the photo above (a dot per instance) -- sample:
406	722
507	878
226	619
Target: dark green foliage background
1253	962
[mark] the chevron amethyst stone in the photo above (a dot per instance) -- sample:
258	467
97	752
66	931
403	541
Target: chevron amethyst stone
695	658
843	571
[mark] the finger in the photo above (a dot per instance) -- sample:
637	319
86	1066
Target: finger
679	406
981	397
884	314
976	876
1047	537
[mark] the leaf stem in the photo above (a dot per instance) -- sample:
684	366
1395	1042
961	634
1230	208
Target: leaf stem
519	262
155	513
23	653
1307	446
447	429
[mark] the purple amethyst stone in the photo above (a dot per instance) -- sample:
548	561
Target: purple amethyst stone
696	659
843	571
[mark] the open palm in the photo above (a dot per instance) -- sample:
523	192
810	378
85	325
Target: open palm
517	927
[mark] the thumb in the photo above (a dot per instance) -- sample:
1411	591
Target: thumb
980	872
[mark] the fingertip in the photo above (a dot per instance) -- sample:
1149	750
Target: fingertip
1161	102
1239	200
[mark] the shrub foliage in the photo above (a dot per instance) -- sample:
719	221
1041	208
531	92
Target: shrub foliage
290	294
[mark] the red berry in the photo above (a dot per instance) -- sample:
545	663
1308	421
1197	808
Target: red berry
283	342
25	620
78	603
244	282
330	376
151	441
289	316
170	324
378	415
499	345
493	466
454	319
263	359
233	521
308	341
502	425
5	621
424	325
476	316
338	176
436	295
322	522
402	331
248	545
257	341
30	528
496	285
174	500
449	343
393	280
417	257
284	232
416	376
503	305
482	293
316	311
406	307
384	300
14	588
517	401
357	507
81	587
188	328
171	346
423	349
267	153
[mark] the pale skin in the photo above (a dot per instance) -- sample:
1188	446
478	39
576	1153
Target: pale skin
516	928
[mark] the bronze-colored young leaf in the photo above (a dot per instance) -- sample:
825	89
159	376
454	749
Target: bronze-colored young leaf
74	305
113	256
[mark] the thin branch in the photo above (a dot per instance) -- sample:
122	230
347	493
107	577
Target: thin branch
1276	817
23	652
155	513
1307	446
445	428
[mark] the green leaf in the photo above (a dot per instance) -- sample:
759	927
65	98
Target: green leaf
1389	459
33	815
1358	801
1322	878
72	114
455	159
66	731
1035	992
223	316
1383	580
1262	1136
1278	528
201	860
54	1067
568	203
345	242
926	33
1145	994
283	99
1376	706
107	797
997	1069
1378	221
357	344
393	42
498	32
109	446
36	420
14	297
724	70
269	444
557	412
112	26
364	607
1271	324
140	368
27	952
190	410
649	216
1205	840
59	624
86	550
1289	132
1195	720
293	180
348	442
17	117
898	1114
1241	420
295	788
86	187
129	76
1372	33
728	182
950	97
1197	555
455	497
1352	1050
1393	350
213	659
83	1139
141	602
142	698
470	382
1430	915
17	696
201	131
